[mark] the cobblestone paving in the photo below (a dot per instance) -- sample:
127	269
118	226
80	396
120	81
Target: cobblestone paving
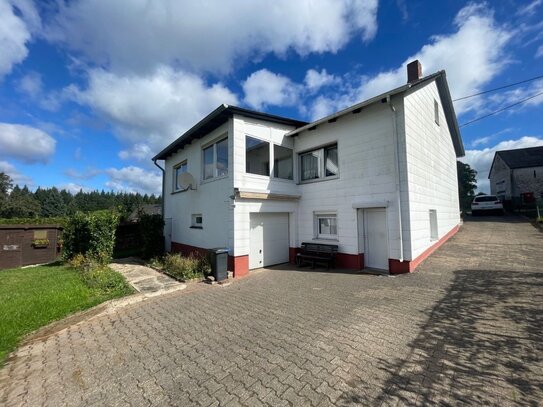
465	329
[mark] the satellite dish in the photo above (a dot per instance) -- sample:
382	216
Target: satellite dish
186	181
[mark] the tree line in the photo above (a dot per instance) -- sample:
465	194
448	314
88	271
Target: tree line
17	202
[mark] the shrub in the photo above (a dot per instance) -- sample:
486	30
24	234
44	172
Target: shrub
152	233
99	276
183	267
91	234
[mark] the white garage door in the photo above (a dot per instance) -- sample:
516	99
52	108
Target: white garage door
269	239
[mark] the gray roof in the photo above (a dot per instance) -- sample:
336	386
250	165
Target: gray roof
443	89
215	119
522	158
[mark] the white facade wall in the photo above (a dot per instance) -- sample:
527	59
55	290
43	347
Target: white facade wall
367	176
431	168
211	198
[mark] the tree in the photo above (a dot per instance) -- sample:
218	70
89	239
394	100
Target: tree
5	186
467	183
53	205
21	204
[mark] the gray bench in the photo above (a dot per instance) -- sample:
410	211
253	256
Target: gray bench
317	253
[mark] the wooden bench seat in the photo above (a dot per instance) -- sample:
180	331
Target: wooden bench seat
317	253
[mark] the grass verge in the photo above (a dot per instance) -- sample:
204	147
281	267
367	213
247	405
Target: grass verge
33	297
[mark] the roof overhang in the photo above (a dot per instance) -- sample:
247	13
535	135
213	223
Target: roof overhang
217	118
444	93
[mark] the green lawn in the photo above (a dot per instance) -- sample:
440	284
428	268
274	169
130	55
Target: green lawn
33	297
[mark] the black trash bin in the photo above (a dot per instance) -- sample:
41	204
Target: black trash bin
219	263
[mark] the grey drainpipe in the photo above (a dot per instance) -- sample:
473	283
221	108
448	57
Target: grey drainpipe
398	183
163	180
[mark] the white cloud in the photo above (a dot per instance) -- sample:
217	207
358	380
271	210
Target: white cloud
137	35
539	52
74	188
263	88
31	84
88	173
139	152
18	20
16	176
134	179
314	80
530	8
481	160
25	143
465	54
151	110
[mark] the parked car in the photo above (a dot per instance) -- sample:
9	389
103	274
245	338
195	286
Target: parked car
486	204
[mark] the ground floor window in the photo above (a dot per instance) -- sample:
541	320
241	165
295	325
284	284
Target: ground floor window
326	226
433	225
197	221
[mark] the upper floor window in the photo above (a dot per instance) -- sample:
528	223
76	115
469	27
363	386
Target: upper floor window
215	158
320	163
282	162
177	171
257	156
436	111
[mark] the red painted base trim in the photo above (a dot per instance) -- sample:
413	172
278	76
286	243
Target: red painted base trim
186	249
350	261
239	265
408	266
343	260
292	252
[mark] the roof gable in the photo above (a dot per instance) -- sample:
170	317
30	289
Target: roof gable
521	158
446	102
217	118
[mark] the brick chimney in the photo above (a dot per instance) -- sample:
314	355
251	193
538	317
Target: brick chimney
414	71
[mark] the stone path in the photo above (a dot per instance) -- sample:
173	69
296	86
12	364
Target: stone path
146	280
465	329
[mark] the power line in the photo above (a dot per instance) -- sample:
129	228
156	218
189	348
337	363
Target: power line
502	109
500	88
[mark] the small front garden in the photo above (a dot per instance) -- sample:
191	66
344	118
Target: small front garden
182	268
33	297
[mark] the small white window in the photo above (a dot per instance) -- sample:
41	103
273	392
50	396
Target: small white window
326	226
433	225
197	221
177	171
436	112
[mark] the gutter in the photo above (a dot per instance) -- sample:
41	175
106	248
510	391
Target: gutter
163	180
397	159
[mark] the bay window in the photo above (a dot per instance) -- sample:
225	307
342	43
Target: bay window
215	160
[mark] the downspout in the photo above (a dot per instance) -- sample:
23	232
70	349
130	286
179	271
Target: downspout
397	159
163	181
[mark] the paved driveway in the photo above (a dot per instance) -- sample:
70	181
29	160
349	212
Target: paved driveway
465	328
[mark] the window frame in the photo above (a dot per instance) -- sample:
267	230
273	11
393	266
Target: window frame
317	216
436	112
275	163
176	167
194	224
270	171
213	146
321	156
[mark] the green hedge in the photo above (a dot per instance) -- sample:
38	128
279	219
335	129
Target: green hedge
152	233
91	234
34	221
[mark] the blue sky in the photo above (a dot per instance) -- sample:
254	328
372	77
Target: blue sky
91	90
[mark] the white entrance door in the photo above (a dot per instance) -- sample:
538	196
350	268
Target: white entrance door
269	242
375	238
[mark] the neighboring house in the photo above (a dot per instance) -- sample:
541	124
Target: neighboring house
378	179
517	175
147	209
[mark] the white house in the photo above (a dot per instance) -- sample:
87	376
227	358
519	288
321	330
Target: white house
378	179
